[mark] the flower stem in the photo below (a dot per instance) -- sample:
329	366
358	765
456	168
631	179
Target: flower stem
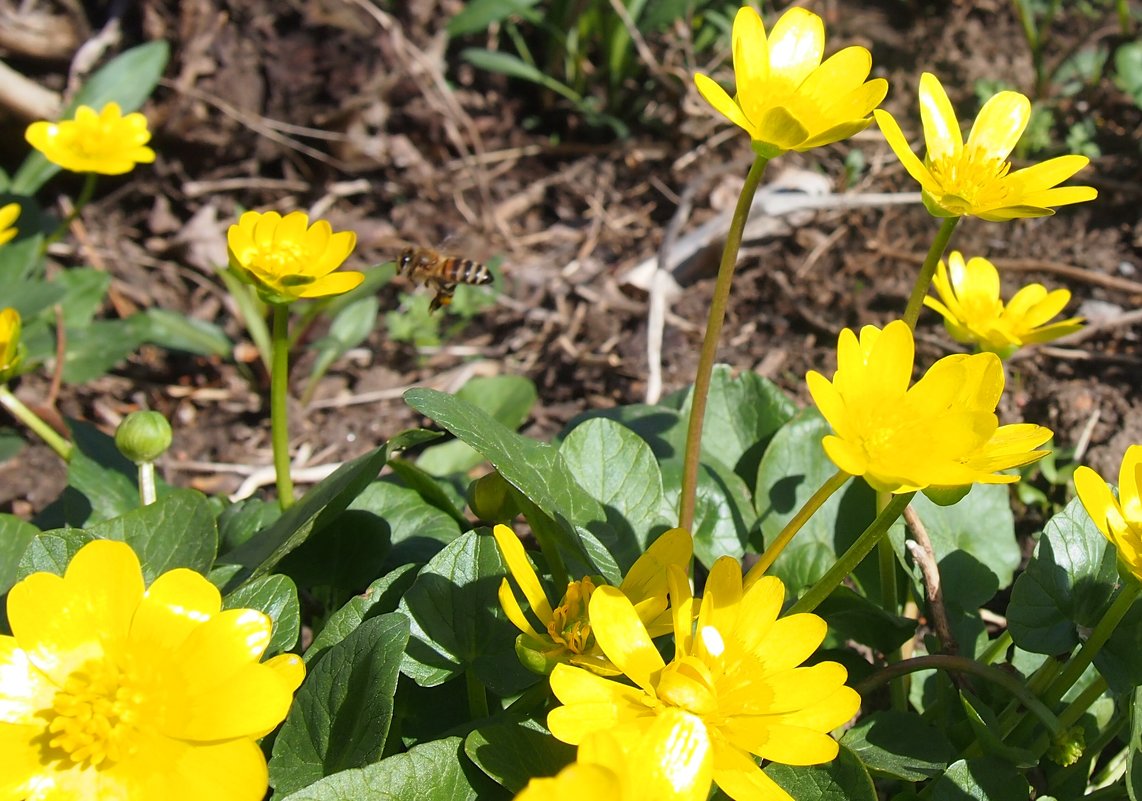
996	647
714	322
927	270
147	493
279	408
807	510
61	446
853	556
886	566
477	696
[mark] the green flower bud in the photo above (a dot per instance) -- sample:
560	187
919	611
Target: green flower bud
490	498
143	436
1068	748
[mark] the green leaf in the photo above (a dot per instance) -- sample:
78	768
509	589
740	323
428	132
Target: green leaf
175	331
514	751
479	14
843	779
985	726
15	537
853	617
316	509
350	327
84	289
382	596
1134	757
243	519
618	469
178	530
457	623
96	348
1067	584
534	468
341	715
515	67
436	491
277	597
900	745
742	415
507	398
661	427
792	469
723	509
51	551
11	443
1120	659
984	779
435	771
412	530
21	260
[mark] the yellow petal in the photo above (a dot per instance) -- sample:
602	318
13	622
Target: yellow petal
789	641
681	607
720	601
217	650
796	44
175	771
751	53
777	126
623	637
591	703
246	703
24	690
20	755
716	96
174	605
899	144
518	565
647	576
333	284
1059	196
941	128
1130	484
673	760
512	609
1096	498
1049	173
741	779
792	745
999	125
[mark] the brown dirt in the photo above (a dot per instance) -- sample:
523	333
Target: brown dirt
372	116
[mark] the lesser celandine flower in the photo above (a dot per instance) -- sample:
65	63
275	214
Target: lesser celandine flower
11	349
112	691
974	178
1119	519
737	674
975	314
565	633
8	217
671	762
786	98
940	433
104	142
286	258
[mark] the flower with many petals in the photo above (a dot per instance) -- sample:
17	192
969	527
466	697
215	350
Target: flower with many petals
974	313
974	178
786	98
566	631
112	691
286	258
104	142
737	676
8	217
1119	519
941	432
11	349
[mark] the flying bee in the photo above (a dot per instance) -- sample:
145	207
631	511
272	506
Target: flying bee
441	273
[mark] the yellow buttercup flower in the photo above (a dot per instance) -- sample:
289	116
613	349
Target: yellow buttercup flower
671	762
786	98
286	258
104	142
114	692
974	178
11	349
974	313
565	633
737	674
1119	519
8	216
942	432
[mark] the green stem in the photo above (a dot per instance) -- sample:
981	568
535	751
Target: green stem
807	510
996	647
279	404
147	493
477	696
961	664
714	322
61	446
886	566
927	270
854	555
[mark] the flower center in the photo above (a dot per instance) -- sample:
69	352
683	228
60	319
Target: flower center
972	179
570	626
96	716
688	684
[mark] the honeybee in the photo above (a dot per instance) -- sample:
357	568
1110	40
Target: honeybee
441	273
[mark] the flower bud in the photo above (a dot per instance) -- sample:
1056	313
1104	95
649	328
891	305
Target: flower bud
143	436
490	498
11	349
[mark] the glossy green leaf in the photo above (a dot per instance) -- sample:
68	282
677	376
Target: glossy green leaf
662	428
175	331
434	771
52	550
435	491
513	751
341	715
96	348
243	519
619	470
984	779
1067	584
507	398
723	510
382	596
412	530
843	779
1134	757
101	483
457	623
277	597
1120	659
15	537
900	745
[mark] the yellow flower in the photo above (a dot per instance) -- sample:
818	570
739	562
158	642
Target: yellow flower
1119	519
738	676
941	432
671	762
8	215
11	349
566	631
786	98
974	313
105	142
286	258
974	178
111	692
